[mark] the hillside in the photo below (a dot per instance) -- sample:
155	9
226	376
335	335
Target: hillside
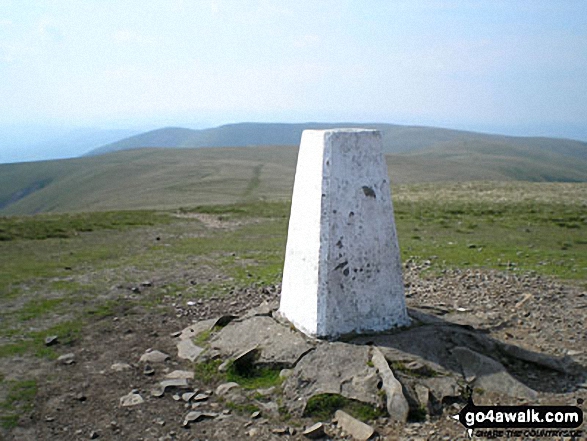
396	138
171	178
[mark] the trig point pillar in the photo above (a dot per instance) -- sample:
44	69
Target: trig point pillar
342	270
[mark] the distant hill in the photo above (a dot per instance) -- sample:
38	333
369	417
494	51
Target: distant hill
167	178
396	138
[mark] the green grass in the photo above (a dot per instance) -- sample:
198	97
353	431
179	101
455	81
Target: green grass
207	371
254	377
546	238
323	406
19	400
33	342
62	226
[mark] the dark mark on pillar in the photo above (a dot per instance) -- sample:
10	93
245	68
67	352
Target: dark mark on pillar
369	192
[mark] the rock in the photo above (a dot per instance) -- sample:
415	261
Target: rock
397	405
187	350
188	396
442	388
67	358
255	414
423	395
201	397
132	399
154	356
195	416
119	367
94	434
192	417
205	325
254	432
224	388
563	365
51	340
264	309
315	431
278	344
159	390
148	370
334	368
284	373
265	392
490	375
355	428
188	375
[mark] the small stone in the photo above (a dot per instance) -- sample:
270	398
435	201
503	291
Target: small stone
132	399
154	356
279	431
51	340
357	429
49	419
253	433
159	390
188	375
94	434
255	414
224	388
201	397
224	366
188	396
148	370
159	421
192	417
67	358
315	431
284	373
176	397
266	392
119	367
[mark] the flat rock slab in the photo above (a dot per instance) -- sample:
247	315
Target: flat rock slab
278	345
154	356
490	375
187	350
333	368
204	325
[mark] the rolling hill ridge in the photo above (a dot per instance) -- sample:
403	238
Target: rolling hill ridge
395	138
166	178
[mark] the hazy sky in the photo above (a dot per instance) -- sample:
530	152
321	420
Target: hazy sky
514	67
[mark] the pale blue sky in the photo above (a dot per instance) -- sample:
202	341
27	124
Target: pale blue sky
513	67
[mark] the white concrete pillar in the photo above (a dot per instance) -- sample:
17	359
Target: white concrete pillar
342	270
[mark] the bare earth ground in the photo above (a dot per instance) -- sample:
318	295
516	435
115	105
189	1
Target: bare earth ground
81	401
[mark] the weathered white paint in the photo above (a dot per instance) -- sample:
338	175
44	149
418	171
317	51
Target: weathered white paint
342	270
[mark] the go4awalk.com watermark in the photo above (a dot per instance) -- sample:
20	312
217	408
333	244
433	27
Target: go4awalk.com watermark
521	421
